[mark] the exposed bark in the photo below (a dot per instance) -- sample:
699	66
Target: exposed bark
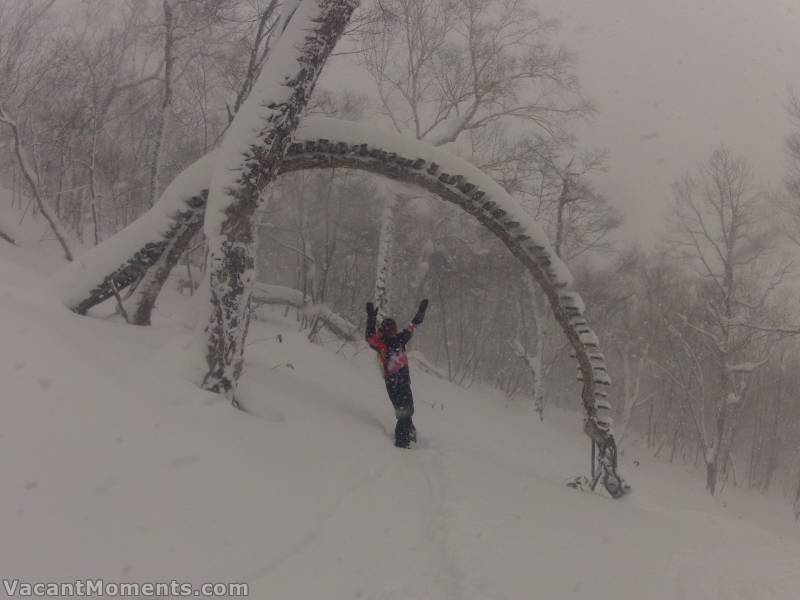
231	257
143	300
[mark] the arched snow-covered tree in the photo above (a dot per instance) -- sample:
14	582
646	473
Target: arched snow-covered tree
223	190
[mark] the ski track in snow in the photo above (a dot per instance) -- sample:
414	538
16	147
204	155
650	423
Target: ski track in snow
430	463
116	466
316	531
418	486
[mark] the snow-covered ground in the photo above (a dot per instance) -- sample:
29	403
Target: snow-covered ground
115	466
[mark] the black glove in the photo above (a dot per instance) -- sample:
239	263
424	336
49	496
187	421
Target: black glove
418	318
371	310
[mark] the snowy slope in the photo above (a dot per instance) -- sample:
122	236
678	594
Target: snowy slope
115	466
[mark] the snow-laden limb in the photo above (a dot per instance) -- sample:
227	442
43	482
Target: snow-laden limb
260	132
123	258
146	236
421	362
246	164
399	157
142	301
277	295
746	367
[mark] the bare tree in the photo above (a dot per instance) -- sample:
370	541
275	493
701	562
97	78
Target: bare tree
25	62
444	70
720	231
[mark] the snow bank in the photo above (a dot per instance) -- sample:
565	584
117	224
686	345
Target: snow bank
116	467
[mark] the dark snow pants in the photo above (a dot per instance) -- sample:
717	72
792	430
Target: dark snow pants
398	386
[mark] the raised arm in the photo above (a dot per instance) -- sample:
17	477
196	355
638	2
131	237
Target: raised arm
406	334
372	316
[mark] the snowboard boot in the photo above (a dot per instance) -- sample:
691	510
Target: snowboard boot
404	433
615	485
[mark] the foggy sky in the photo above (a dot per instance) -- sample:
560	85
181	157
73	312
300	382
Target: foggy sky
672	79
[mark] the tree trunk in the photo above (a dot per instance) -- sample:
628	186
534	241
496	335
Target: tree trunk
279	96
385	251
166	102
533	361
774	441
141	303
712	473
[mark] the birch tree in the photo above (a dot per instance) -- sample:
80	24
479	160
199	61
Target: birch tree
720	231
247	163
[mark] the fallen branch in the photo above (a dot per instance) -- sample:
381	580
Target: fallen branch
276	295
425	365
8	238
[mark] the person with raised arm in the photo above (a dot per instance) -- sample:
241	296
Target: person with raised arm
390	344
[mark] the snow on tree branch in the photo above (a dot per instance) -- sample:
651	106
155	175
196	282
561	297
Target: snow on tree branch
276	295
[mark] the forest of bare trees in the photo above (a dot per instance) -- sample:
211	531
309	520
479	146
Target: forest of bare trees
100	109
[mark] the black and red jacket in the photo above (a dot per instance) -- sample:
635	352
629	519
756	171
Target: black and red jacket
391	349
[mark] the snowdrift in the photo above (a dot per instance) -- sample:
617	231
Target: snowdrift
116	467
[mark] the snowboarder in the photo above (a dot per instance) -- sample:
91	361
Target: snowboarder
391	348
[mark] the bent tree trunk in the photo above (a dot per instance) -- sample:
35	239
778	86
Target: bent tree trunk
327	143
247	163
143	300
